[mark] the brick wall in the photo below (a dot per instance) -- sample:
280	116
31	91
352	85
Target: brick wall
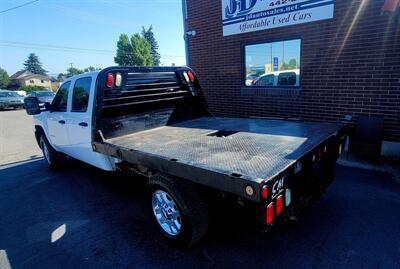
345	69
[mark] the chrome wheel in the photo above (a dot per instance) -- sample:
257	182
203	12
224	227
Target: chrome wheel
166	212
46	152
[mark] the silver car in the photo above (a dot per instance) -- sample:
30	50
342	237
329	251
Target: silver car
10	99
43	96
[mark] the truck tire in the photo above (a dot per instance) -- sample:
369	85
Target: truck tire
178	210
52	158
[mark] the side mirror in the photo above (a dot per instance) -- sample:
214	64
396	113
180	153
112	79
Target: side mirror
47	106
32	105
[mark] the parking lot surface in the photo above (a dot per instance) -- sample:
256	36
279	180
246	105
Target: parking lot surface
16	140
81	217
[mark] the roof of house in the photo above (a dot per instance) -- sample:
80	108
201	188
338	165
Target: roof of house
24	74
36	76
21	74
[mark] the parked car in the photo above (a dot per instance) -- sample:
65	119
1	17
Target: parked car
155	122
250	79
286	78
43	96
22	93
10	99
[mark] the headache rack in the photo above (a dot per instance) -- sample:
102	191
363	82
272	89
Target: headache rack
130	99
146	87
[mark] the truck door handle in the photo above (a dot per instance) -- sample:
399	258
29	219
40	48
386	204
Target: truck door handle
61	121
84	124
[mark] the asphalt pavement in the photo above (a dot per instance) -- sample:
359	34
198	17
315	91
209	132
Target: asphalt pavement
81	217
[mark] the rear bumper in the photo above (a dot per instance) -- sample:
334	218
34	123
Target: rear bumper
306	180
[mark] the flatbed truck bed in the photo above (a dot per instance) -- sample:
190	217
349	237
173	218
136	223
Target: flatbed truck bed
224	153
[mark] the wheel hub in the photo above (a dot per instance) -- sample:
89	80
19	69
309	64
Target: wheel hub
166	212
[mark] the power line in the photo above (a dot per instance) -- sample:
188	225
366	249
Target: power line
14	44
9	9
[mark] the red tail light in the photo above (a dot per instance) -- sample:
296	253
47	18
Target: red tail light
110	80
270	214
264	192
279	205
191	76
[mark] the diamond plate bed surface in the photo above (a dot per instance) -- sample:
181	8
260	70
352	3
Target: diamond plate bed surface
259	149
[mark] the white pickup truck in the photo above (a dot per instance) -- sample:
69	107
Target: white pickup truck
154	122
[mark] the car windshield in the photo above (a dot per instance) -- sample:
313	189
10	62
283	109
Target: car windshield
9	94
44	94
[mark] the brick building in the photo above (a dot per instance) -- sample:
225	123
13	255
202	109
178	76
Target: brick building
319	61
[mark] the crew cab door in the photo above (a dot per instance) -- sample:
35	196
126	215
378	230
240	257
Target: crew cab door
79	124
56	119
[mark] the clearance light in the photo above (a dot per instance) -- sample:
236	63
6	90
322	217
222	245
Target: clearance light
191	76
118	80
264	192
297	167
186	76
320	153
270	214
249	190
110	80
279	205
288	197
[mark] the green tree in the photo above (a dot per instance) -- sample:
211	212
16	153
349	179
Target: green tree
4	79
72	71
141	51
34	65
61	77
124	51
149	36
135	52
291	65
91	69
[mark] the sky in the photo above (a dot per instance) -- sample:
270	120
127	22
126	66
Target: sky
260	54
85	32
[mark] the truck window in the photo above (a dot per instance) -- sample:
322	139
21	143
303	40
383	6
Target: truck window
61	99
80	95
287	79
267	80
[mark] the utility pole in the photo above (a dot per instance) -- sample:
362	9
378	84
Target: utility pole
71	64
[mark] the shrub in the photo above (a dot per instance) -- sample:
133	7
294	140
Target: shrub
32	88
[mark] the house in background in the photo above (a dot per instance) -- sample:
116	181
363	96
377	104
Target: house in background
26	78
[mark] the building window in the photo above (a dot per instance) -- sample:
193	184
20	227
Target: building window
42	81
31	81
273	64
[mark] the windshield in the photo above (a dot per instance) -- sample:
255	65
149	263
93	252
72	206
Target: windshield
44	94
9	94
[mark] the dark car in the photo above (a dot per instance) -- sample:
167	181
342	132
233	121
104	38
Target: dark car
43	96
10	99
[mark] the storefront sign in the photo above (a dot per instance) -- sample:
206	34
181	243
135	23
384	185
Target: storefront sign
276	63
243	16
